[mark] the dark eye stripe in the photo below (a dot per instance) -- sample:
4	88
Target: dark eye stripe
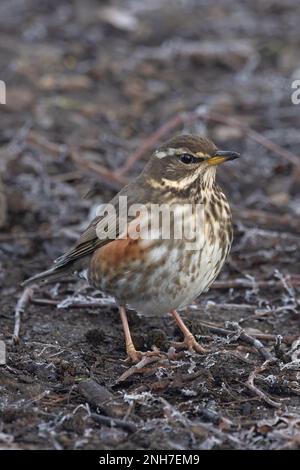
188	158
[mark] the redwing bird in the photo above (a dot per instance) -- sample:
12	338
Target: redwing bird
159	274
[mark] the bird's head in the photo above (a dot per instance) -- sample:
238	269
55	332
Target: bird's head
185	159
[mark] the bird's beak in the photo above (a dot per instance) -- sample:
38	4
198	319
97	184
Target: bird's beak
221	156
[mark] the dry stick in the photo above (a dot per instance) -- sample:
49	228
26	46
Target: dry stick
102	398
257	345
288	339
40	141
97	303
263	217
245	284
254	342
138	368
44	235
6	237
22	303
251	385
44	301
95	393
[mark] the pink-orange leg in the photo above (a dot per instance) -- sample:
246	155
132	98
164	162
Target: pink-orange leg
189	341
133	355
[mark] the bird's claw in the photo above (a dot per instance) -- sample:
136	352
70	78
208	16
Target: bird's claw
189	343
134	356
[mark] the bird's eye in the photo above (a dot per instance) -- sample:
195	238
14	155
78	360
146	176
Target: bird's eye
187	158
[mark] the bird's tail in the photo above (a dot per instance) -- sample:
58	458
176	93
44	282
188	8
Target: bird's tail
52	274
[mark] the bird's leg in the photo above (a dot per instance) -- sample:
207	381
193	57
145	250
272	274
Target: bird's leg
189	341
132	354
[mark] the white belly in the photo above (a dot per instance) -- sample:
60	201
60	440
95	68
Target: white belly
180	279
173	276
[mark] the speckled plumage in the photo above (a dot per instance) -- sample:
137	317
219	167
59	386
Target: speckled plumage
154	276
159	275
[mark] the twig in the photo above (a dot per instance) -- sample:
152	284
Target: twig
248	284
103	399
44	301
237	355
22	303
288	339
114	422
254	342
210	305
40	141
251	385
138	368
97	395
43	235
75	302
266	218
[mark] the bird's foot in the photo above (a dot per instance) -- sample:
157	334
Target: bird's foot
134	356
189	343
141	361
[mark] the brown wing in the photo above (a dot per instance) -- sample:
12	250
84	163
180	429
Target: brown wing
106	225
90	239
87	244
102	230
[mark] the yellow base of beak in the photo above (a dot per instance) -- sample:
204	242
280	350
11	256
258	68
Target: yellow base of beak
216	160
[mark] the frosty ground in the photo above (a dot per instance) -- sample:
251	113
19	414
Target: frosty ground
88	93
